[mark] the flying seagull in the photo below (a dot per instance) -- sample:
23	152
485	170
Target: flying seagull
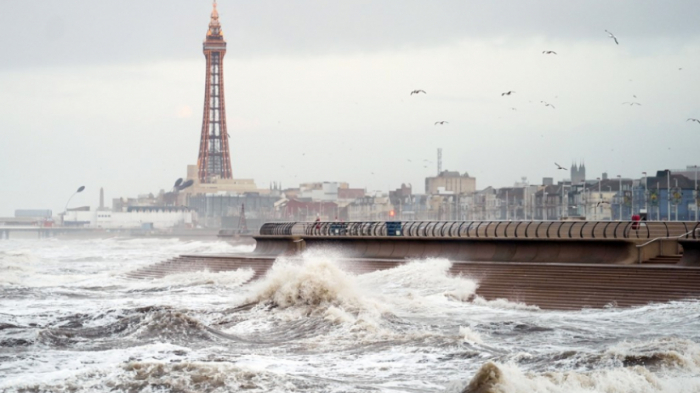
560	167
631	103
548	104
613	37
601	203
509	92
549	52
442	122
692	119
418	91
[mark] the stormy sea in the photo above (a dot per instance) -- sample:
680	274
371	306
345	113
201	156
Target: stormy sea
71	321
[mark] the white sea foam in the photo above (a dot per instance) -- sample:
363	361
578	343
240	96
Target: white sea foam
233	278
503	304
315	279
70	322
469	335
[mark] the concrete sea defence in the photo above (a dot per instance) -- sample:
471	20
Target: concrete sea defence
565	267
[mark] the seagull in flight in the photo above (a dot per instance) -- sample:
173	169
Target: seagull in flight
560	167
442	122
548	104
602	203
418	91
549	52
632	103
693	119
509	92
613	37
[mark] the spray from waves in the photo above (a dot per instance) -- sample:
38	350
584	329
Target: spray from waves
313	280
508	378
423	278
503	304
314	297
229	279
469	335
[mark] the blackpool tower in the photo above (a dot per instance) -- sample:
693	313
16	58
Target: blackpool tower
214	160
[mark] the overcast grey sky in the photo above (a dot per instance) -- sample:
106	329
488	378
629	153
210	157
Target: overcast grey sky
110	93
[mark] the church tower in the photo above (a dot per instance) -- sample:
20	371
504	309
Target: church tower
578	173
214	160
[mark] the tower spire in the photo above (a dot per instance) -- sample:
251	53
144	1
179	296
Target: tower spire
214	25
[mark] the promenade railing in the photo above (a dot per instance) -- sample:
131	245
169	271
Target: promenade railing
489	229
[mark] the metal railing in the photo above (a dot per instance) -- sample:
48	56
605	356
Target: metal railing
489	229
695	231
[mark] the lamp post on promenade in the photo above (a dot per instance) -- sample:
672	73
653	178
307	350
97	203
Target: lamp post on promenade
544	205
599	198
675	188
646	197
583	200
695	193
620	197
668	193
65	209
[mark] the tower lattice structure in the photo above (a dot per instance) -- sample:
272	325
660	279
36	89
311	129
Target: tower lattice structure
214	158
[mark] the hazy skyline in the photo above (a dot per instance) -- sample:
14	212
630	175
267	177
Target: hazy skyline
110	94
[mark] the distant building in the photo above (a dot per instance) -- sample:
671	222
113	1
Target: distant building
578	173
33	213
450	181
159	217
371	208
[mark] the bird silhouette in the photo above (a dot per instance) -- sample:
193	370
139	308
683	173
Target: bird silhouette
549	52
613	37
442	122
632	103
602	203
693	119
560	167
548	104
418	91
509	92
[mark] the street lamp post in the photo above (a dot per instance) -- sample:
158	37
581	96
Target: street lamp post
675	188
646	197
544	205
695	193
584	200
668	193
65	209
599	198
620	198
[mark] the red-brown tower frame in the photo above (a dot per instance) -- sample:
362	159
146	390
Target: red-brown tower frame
214	159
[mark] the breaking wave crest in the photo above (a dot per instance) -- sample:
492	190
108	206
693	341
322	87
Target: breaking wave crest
180	377
658	365
135	327
508	378
314	280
